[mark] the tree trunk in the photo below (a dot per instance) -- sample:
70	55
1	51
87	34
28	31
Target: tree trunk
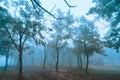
87	57
70	60
17	64
20	64
57	61
6	62
78	61
45	58
80	58
62	60
44	62
86	69
84	61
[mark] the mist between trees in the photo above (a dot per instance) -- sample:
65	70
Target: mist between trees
27	41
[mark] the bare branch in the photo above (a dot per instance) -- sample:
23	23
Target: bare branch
35	7
53	8
43	9
34	1
69	4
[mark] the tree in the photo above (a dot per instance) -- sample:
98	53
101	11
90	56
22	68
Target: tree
21	29
71	52
77	50
59	36
5	46
113	39
89	39
45	57
5	42
62	31
110	11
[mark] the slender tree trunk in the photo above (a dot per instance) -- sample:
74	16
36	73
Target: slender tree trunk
84	61
87	64
45	58
20	64
62	61
87	57
70	60
78	61
51	61
6	62
57	61
44	63
17	64
80	58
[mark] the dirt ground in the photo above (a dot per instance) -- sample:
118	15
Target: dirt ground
62	74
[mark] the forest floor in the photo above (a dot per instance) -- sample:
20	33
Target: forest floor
62	74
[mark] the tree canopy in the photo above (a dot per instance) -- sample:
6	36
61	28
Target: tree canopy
110	11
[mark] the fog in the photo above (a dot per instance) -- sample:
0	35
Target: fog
59	40
34	57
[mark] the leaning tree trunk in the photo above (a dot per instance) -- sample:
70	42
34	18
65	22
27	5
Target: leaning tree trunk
57	61
20	64
78	61
45	58
86	69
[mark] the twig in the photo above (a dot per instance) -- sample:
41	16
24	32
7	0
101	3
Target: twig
68	4
44	9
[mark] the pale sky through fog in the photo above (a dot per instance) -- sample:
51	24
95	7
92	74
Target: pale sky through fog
82	7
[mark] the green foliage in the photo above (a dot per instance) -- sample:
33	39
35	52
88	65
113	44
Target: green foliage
88	38
113	39
16	30
5	42
27	24
62	28
110	11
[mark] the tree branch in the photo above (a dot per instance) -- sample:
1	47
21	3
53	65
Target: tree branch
53	8
24	42
35	7
43	9
12	39
34	1
68	4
